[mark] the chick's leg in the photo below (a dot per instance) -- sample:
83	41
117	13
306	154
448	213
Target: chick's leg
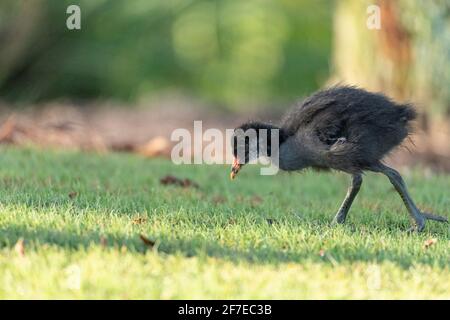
418	218
351	194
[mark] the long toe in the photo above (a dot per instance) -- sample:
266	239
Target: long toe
434	217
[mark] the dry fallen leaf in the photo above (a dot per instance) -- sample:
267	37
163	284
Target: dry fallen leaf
20	247
172	180
73	194
428	243
149	243
139	220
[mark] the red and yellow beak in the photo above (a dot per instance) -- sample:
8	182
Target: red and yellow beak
235	167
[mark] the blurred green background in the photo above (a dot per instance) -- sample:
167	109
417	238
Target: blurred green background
230	53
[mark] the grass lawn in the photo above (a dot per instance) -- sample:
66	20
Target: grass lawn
81	216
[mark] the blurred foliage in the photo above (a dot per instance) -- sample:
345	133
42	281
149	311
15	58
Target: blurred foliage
408	58
231	52
429	24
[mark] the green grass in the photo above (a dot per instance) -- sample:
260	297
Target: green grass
257	237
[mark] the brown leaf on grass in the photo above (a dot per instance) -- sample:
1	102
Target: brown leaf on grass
73	194
172	180
149	243
428	243
20	247
139	220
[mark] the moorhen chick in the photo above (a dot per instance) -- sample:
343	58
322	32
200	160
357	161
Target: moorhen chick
343	128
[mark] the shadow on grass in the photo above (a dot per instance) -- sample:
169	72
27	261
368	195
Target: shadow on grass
202	247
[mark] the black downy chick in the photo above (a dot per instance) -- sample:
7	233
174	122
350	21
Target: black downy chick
343	128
